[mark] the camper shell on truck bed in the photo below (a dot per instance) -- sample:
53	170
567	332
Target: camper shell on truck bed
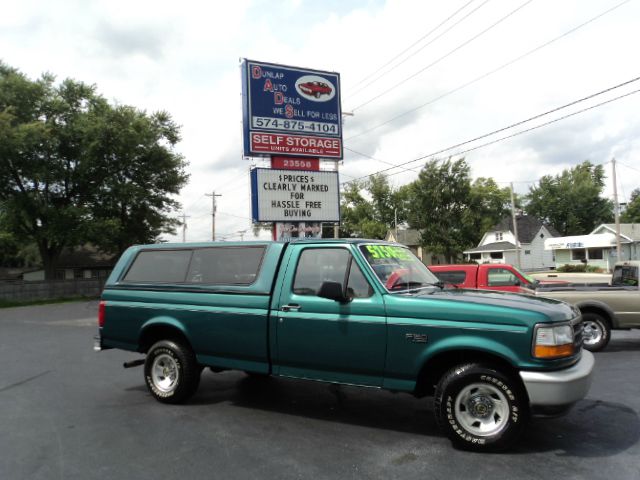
358	312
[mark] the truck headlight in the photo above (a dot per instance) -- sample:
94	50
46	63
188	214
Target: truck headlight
553	341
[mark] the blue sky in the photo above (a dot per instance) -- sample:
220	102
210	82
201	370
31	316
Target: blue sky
183	57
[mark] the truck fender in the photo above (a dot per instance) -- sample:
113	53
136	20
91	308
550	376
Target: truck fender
467	343
164	322
599	307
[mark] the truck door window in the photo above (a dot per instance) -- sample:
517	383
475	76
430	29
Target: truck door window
319	265
499	277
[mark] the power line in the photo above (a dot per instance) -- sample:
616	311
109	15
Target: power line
379	160
451	52
491	72
513	125
413	45
628	166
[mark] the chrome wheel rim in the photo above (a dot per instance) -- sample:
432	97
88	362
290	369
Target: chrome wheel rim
165	373
591	333
482	409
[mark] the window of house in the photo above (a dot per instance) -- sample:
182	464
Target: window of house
595	254
496	255
475	256
527	252
498	236
578	255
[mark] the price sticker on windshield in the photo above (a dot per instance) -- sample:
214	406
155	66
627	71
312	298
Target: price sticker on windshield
388	251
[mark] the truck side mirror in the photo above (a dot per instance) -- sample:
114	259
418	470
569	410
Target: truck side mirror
333	291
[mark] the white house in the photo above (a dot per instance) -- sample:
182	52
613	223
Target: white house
499	244
598	248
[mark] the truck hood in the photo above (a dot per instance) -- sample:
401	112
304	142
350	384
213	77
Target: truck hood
483	305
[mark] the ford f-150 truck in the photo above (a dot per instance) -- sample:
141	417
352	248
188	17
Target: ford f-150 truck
615	306
355	312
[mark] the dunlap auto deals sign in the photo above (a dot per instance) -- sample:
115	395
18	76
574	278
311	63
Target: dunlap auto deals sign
290	111
294	195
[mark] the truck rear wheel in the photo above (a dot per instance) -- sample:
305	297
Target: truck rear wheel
480	408
171	372
596	331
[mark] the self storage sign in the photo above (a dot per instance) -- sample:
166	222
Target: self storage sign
294	195
290	111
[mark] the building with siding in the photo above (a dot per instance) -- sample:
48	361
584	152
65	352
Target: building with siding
598	248
498	245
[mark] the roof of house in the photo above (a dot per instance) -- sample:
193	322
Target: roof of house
630	230
493	247
409	237
85	257
528	227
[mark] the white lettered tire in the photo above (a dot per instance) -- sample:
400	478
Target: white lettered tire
480	408
171	371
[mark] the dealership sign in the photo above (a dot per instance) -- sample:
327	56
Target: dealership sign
290	111
294	195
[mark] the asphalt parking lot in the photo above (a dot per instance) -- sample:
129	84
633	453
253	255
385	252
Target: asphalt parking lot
67	412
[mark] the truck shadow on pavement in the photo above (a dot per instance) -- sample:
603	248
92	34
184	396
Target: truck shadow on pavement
593	428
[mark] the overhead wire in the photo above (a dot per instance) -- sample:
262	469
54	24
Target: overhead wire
489	73
446	55
358	90
517	124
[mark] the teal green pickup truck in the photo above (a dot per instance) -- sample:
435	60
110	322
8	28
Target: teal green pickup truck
356	312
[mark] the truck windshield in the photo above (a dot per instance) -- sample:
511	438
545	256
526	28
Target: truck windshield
398	269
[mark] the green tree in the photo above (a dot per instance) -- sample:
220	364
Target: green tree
369	209
488	204
441	199
632	212
74	169
571	201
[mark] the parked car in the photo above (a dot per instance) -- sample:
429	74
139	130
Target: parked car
615	306
325	310
490	276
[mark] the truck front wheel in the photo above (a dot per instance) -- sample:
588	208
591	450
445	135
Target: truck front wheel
480	408
171	372
595	331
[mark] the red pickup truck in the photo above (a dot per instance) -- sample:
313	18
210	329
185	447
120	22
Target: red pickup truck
490	276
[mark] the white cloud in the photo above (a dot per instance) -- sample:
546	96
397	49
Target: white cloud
183	57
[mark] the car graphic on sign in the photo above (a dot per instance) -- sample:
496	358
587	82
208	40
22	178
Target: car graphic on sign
315	88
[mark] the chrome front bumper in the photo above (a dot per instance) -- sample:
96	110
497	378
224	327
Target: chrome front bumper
562	388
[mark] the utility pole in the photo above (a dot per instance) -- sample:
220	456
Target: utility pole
184	227
515	226
616	209
213	196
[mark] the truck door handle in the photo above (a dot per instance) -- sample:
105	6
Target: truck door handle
288	308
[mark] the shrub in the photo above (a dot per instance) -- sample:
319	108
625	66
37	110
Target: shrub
579	268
